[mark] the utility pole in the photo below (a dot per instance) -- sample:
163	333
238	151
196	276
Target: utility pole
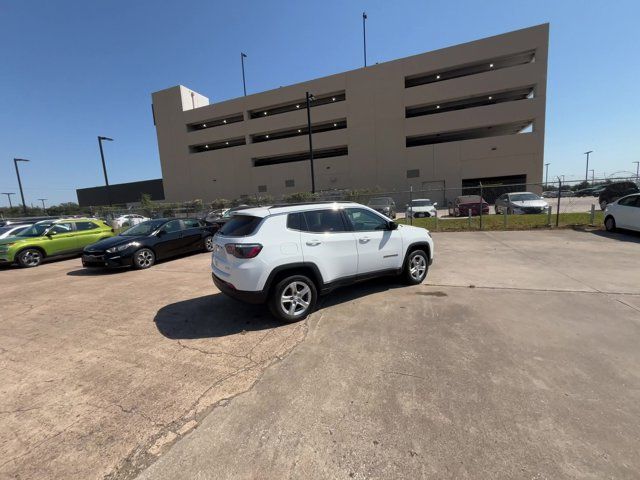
15	163
637	171
586	175
43	207
546	175
593	175
310	98
8	194
364	36
244	84
104	167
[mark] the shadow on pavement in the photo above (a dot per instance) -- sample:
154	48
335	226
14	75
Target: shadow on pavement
211	316
217	315
90	272
620	235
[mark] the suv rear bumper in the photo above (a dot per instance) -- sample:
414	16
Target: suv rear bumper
258	296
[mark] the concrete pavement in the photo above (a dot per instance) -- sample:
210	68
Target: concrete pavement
518	358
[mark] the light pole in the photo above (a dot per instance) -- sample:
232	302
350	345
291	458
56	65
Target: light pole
310	98
244	85
364	36
15	162
104	166
593	175
586	175
637	170
44	209
8	194
546	175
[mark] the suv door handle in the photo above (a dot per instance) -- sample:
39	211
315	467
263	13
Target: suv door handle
364	239
313	243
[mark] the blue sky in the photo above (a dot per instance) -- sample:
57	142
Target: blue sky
74	69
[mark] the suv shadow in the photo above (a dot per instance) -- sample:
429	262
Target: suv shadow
620	234
217	315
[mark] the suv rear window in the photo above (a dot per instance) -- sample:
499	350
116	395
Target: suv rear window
240	226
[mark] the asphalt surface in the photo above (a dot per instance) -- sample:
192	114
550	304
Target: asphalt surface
518	358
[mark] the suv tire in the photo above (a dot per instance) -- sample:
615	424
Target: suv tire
416	267
293	298
30	257
143	258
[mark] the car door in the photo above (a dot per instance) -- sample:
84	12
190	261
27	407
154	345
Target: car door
169	239
626	211
60	239
87	232
327	242
634	215
379	247
192	234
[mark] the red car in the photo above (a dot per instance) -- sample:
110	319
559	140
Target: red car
465	203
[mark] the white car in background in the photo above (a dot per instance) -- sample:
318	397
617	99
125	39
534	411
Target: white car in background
13	229
421	207
623	213
518	203
128	220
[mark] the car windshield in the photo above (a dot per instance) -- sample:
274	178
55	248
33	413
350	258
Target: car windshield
380	201
36	230
523	197
144	228
421	203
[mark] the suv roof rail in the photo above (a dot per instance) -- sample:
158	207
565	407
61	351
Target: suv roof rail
317	202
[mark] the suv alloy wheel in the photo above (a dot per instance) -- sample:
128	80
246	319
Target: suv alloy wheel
30	257
293	298
416	267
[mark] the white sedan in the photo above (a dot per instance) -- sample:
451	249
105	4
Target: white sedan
421	207
623	213
13	229
128	220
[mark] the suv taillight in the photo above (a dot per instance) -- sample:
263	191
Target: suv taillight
243	250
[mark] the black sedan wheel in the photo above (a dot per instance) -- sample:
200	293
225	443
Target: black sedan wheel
143	258
208	243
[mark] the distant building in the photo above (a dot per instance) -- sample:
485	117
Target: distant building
120	193
448	118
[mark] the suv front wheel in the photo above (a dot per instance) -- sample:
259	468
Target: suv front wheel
415	267
293	298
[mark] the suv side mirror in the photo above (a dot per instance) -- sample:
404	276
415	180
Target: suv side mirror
50	233
435	204
392	226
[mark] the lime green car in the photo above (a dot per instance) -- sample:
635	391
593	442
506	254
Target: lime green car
52	238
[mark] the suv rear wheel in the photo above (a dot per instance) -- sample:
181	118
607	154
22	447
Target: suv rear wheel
293	298
415	267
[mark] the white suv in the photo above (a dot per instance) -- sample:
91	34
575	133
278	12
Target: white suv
287	255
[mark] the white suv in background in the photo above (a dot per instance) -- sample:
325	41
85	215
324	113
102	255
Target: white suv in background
288	255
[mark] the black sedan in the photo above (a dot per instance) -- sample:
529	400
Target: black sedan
141	245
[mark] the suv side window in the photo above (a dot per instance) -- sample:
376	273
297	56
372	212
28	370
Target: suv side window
84	226
295	221
322	221
365	221
62	228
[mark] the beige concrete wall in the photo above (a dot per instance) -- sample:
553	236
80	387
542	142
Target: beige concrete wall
376	127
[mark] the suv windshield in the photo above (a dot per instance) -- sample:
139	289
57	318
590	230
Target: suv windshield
380	201
240	226
522	197
144	228
421	203
36	230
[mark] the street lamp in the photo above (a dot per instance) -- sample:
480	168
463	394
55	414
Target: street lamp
593	174
244	84
43	207
637	170
586	175
8	194
364	36
104	166
310	98
546	174
15	162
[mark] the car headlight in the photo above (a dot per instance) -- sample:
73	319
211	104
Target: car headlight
121	248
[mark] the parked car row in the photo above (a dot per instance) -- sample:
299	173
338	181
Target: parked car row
138	246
